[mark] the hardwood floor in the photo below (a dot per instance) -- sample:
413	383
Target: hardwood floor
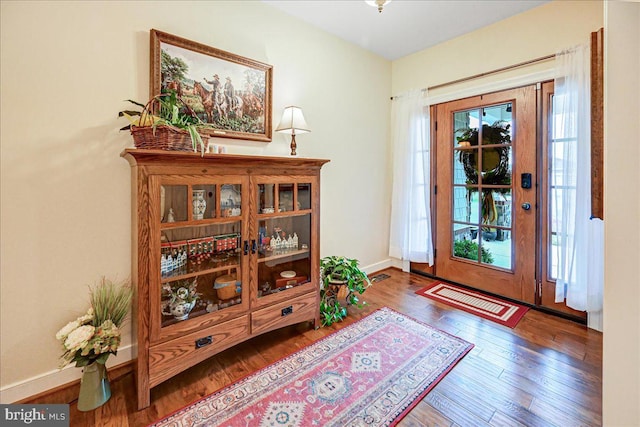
545	372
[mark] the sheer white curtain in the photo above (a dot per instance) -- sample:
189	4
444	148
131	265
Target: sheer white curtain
410	231
580	254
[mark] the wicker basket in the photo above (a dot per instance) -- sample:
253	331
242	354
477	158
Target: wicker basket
160	137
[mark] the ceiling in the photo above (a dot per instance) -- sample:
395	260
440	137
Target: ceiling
404	26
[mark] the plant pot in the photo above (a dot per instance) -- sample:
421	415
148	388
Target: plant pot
94	387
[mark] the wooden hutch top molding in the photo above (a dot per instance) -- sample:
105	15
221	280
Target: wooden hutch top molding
138	157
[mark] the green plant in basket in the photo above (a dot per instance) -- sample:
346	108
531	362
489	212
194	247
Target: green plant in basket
338	272
168	110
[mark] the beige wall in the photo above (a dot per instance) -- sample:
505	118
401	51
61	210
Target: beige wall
621	365
65	218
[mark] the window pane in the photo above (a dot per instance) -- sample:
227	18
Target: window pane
496	124
465	205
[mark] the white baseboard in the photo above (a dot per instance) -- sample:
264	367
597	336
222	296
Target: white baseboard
55	378
391	262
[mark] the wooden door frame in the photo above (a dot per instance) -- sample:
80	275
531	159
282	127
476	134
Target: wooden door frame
521	285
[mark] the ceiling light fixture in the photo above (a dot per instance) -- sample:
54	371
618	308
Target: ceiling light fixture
377	3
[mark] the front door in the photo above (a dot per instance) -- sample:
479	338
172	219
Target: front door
486	192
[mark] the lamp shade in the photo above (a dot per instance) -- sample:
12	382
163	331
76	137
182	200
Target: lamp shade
293	121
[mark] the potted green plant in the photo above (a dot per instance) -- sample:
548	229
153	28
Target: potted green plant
165	122
340	275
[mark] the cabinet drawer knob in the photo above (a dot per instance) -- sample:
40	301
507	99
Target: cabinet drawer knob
287	311
204	341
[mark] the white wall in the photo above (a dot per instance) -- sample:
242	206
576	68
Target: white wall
66	68
621	358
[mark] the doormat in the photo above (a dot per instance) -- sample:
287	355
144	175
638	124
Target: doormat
372	372
474	302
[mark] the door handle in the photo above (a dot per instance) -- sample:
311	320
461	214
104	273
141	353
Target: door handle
254	246
526	206
246	247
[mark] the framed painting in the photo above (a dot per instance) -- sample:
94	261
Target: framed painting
230	93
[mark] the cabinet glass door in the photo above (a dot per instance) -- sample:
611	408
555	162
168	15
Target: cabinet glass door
283	236
200	250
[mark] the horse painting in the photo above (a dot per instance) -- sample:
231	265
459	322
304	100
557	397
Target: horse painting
216	102
207	100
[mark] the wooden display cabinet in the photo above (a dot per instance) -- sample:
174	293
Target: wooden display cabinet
240	232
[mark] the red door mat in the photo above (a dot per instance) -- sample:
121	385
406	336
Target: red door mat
488	307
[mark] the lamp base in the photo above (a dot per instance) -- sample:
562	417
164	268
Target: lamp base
293	145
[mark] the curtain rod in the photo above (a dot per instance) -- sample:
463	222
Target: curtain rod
488	73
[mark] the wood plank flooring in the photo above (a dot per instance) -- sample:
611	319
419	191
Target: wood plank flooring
545	372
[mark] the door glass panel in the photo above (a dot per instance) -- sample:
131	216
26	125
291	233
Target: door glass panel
496	124
203	201
173	203
465	141
465	241
304	196
484	202
285	197
465	166
465	205
496	230
562	186
230	200
465	125
284	259
266	198
199	270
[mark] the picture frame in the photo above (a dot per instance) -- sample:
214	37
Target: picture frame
230	93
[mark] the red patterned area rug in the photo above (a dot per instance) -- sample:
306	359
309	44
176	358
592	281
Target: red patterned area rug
372	372
488	307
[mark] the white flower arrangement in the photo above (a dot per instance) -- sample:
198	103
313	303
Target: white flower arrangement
95	335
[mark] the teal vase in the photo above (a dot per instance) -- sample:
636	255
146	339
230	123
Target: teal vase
94	387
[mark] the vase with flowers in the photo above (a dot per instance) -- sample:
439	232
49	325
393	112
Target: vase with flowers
89	340
179	298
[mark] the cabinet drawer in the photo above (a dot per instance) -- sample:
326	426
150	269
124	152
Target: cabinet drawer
286	313
171	357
